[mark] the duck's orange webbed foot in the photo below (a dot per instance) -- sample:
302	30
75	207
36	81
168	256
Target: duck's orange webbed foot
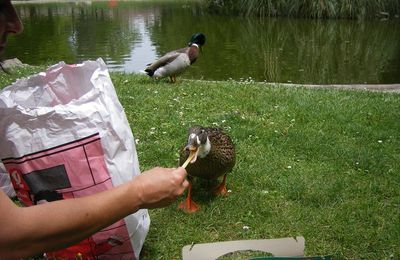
188	205
221	188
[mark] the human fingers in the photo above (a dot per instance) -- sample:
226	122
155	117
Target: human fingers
177	182
159	187
180	172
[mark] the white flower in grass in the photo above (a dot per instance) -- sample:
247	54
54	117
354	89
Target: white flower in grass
289	167
380	141
245	228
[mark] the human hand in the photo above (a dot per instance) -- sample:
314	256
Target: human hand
159	187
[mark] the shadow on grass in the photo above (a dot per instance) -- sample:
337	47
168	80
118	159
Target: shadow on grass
202	190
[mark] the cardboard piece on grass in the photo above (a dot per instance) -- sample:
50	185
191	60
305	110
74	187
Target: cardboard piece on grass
278	247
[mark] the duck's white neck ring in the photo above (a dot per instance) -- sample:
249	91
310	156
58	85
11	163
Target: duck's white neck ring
194	44
204	149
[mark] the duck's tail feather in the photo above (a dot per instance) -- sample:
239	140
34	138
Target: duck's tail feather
149	72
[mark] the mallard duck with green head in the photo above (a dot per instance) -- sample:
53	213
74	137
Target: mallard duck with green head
175	62
210	154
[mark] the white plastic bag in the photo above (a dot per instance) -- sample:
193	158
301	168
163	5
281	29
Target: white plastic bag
64	134
5	182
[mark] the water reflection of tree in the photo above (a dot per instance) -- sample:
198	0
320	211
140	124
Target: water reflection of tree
38	25
104	30
75	32
282	50
275	50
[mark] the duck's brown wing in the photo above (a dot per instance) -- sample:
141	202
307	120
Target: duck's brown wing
166	59
222	149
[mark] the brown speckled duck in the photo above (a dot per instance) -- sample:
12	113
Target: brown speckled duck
213	156
175	62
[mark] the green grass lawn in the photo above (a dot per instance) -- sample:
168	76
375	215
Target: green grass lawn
318	163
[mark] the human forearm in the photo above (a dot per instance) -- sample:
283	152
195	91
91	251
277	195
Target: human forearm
47	227
66	222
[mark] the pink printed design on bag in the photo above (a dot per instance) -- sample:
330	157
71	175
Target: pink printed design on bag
72	170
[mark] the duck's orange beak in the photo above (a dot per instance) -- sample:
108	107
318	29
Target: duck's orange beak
192	155
194	150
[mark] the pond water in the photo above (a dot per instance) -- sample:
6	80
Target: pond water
130	34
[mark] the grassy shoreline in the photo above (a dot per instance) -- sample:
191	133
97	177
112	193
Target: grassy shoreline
320	163
369	9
